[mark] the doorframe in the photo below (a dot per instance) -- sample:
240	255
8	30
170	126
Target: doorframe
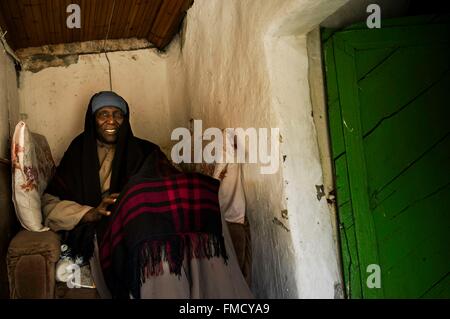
316	78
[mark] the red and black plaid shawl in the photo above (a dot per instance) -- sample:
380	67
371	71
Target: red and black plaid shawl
156	219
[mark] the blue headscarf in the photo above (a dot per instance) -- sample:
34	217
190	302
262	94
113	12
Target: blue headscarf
108	98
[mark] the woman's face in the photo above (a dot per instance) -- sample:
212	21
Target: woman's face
108	120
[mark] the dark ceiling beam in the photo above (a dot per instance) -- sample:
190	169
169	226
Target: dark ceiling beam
5	27
41	22
168	21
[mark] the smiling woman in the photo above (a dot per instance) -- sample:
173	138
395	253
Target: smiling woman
108	121
94	169
109	110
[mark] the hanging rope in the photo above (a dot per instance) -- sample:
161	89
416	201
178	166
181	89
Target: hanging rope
104	44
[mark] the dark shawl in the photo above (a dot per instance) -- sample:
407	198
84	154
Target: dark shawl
167	218
77	176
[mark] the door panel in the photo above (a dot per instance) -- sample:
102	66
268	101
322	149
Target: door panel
389	120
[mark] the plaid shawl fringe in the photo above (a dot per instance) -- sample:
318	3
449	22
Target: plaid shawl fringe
158	220
173	251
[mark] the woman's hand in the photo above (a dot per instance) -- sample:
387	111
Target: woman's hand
95	214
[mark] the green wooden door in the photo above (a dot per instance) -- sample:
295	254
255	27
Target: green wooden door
389	115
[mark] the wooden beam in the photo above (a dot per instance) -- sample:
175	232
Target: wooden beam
168	21
130	22
20	34
40	22
7	28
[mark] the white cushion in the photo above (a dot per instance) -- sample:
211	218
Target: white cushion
32	169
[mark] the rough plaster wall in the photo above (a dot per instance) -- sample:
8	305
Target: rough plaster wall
9	105
53	101
310	219
4	112
227	86
179	104
9	101
245	70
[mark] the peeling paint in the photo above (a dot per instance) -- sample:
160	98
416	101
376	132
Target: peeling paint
350	129
278	222
39	62
88	47
331	197
62	55
320	191
338	291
